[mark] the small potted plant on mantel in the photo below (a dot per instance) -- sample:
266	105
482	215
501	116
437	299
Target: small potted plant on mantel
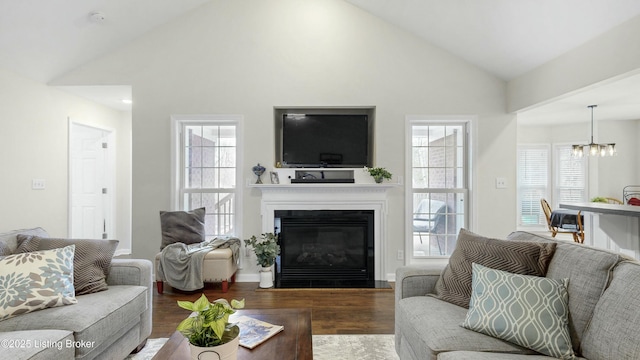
378	173
266	251
208	330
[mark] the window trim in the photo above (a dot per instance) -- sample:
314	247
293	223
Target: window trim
177	122
470	122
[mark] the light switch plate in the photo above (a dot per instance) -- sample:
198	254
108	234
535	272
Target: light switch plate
38	184
501	183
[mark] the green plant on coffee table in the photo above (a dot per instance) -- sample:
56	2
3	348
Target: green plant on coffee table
209	325
266	248
378	173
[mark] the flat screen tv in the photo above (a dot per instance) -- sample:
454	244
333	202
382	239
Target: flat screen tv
326	140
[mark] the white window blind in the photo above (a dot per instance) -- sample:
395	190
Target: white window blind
533	183
570	179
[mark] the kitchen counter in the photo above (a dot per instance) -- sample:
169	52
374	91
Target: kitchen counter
603	208
611	226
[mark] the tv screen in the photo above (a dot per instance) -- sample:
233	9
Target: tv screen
327	140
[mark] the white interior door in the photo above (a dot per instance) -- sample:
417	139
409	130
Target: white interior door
90	182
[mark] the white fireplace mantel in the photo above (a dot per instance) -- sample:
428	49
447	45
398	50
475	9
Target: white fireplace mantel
319	196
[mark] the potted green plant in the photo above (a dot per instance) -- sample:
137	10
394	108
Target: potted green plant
266	250
379	173
208	329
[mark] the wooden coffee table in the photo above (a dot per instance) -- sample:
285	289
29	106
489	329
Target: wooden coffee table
293	343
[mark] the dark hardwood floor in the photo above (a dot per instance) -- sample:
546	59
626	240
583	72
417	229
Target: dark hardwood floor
333	311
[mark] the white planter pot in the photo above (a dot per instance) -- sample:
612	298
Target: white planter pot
266	277
228	351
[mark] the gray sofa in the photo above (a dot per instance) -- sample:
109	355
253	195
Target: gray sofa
604	310
108	324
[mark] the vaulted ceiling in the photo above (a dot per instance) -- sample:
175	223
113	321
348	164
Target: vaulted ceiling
505	37
42	40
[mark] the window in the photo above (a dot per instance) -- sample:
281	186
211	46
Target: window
570	179
439	185
207	171
534	180
533	183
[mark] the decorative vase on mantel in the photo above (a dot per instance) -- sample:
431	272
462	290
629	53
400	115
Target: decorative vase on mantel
266	277
258	170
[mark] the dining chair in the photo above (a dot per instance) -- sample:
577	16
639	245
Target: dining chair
577	233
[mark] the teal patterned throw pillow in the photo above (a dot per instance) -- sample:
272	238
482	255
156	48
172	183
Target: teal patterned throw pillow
36	280
530	311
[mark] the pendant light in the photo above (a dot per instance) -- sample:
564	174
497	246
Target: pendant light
593	149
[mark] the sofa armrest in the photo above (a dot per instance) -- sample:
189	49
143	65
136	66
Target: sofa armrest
413	280
135	272
416	280
131	272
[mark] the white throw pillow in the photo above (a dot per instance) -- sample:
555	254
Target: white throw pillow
36	280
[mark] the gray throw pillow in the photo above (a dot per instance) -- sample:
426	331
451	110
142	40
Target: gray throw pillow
91	261
182	226
9	241
518	257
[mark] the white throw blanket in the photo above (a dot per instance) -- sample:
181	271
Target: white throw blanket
181	264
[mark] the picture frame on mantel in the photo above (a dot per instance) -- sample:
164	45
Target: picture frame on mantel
275	179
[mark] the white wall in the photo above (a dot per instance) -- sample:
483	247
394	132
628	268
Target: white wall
34	144
554	134
247	57
621	170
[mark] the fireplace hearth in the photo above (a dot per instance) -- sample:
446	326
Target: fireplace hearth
325	248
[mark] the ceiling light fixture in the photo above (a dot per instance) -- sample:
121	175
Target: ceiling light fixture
593	149
127	101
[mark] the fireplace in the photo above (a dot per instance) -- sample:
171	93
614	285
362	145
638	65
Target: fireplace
325	248
363	195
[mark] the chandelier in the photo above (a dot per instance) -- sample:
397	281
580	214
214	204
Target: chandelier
593	149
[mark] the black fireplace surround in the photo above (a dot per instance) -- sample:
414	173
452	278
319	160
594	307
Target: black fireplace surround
325	248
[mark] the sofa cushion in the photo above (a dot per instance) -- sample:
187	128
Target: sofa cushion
92	260
430	326
613	330
9	239
477	355
97	320
527	310
35	281
182	226
517	257
588	270
37	344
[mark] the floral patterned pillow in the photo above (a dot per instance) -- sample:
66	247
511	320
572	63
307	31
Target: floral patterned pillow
36	280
